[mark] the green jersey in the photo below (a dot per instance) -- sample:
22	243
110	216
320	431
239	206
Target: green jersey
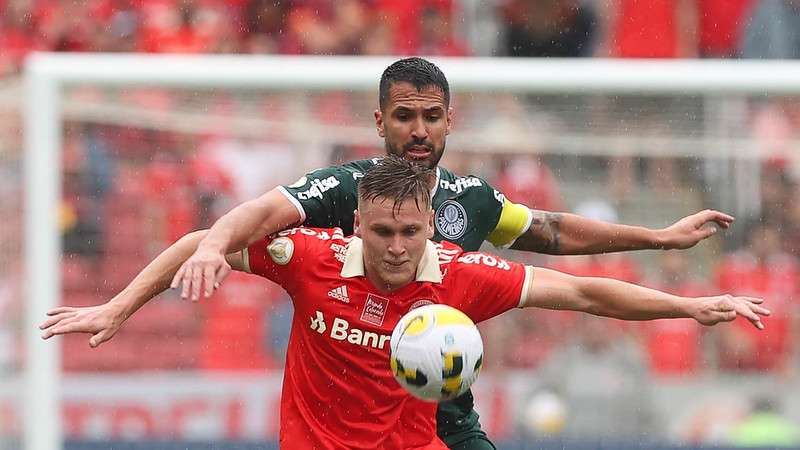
467	209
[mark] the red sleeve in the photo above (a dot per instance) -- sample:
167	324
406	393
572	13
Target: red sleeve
485	285
281	258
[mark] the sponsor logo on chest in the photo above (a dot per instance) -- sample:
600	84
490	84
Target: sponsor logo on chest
340	330
460	184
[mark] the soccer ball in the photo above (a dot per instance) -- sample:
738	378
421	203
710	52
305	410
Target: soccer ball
436	352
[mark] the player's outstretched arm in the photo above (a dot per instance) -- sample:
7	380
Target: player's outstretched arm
571	234
248	222
103	321
613	298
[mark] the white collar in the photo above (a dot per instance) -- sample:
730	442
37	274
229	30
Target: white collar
436	184
428	269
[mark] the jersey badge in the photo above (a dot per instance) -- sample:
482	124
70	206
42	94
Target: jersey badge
451	220
281	250
375	310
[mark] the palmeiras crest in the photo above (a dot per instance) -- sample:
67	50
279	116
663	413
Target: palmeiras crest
451	220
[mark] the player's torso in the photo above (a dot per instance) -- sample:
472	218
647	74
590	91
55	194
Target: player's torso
348	324
349	315
466	208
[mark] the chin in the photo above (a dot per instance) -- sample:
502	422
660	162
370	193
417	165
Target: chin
397	280
428	161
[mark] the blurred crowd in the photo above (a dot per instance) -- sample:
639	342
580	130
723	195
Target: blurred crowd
129	192
528	28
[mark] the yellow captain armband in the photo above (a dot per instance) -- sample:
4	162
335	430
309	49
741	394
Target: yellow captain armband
514	220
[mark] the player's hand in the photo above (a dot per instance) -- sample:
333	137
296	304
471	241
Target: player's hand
725	308
203	272
101	321
690	230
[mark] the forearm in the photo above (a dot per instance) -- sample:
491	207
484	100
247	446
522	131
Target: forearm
581	235
250	221
233	231
156	277
602	296
618	299
571	234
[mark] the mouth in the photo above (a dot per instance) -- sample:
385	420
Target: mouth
395	264
418	152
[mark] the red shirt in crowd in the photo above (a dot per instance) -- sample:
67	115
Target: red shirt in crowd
775	280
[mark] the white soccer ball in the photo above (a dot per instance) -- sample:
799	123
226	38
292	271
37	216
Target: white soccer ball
436	352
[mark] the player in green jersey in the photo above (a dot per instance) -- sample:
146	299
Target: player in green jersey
414	118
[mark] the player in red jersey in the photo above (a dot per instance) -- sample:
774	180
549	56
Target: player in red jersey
349	292
338	391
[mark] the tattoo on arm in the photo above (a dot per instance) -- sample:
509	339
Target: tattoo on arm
544	234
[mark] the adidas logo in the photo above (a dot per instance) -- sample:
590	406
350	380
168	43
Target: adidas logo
340	293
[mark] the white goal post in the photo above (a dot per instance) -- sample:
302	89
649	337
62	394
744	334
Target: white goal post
47	74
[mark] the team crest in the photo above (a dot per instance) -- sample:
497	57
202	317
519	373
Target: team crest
451	220
281	250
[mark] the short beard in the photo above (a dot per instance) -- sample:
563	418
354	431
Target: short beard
430	164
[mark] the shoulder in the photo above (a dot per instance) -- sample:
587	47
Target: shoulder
283	246
291	254
454	260
447	252
480	262
356	169
471	185
453	257
314	235
333	178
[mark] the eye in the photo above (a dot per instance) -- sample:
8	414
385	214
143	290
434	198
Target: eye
410	231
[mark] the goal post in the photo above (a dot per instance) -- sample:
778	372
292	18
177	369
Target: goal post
48	74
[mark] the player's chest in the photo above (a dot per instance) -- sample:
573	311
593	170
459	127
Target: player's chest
352	311
457	218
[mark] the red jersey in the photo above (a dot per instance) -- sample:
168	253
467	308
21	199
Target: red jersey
338	389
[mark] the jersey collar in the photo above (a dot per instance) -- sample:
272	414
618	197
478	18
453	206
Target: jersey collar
428	270
436	184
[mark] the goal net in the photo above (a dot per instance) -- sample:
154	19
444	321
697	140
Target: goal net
125	154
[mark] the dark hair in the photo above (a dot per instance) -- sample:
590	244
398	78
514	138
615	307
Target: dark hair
417	71
398	180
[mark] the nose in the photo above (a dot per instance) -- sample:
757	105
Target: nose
419	131
396	246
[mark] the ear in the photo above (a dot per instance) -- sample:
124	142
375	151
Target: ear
379	123
431	228
356	223
450	113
